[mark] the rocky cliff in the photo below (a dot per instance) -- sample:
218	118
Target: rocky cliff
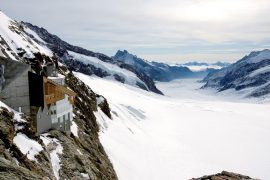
224	175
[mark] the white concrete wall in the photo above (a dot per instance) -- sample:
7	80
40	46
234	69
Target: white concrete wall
63	110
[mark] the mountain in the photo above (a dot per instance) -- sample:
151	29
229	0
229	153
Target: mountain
54	154
250	75
165	72
15	43
145	135
155	70
82	60
224	175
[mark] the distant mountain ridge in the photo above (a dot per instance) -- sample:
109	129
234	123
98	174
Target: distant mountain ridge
203	66
89	62
156	70
250	74
195	63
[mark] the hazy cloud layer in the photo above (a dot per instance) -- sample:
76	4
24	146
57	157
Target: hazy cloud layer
165	30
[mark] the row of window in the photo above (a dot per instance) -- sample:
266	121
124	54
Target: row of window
65	117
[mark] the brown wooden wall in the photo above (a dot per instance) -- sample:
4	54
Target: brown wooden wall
54	92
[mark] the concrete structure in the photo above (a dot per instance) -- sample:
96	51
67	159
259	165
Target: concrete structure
45	99
15	85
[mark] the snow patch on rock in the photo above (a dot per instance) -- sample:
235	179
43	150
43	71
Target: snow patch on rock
27	146
55	148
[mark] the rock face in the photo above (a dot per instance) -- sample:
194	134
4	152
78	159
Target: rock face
57	155
62	49
155	70
9	170
82	154
91	158
224	175
251	73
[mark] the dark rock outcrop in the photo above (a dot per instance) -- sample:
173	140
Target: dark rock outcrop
224	175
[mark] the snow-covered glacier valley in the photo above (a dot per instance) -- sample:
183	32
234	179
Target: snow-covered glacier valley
186	133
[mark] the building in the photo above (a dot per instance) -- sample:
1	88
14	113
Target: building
45	99
51	102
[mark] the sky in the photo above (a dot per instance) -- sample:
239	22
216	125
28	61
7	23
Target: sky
172	31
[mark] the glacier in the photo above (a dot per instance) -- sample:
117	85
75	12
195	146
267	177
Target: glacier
181	136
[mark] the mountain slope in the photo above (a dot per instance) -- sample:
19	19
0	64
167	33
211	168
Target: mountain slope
52	155
250	75
165	72
155	70
88	62
15	42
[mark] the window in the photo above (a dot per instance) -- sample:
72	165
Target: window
53	112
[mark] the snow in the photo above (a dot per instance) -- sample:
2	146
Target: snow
265	54
16	161
54	154
17	115
79	152
84	175
202	67
55	160
19	40
27	146
181	136
36	36
130	77
74	129
187	89
102	119
262	70
99	100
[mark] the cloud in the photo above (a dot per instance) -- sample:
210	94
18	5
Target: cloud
167	30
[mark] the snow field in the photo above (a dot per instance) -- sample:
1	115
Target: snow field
161	137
